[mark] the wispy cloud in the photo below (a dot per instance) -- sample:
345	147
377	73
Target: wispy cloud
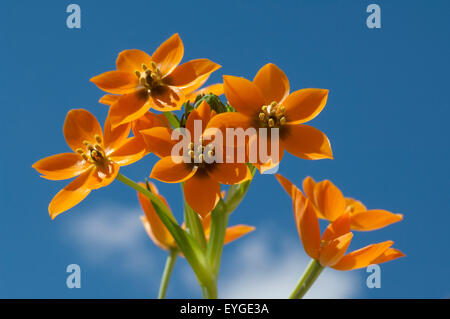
255	267
260	268
111	233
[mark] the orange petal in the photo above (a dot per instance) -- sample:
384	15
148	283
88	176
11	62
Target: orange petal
157	235
103	176
167	98
363	257
235	232
159	140
131	60
201	193
70	195
168	171
287	185
216	89
266	157
354	206
61	166
226	120
130	152
308	187
304	105
229	173
206	223
339	227
109	99
305	142
116	82
388	255
273	83
153	225
334	250
129	107
201	113
268	165
243	95
329	200
307	224
149	120
114	138
191	74
169	54
80	125
373	219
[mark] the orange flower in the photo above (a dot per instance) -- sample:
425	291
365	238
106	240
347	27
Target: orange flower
96	159
162	237
202	179
330	204
266	103
216	89
330	247
145	81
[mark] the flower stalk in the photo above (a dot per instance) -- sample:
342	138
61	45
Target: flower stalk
219	223
311	273
167	273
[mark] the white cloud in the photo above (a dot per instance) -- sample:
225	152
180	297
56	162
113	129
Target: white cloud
260	270
112	233
111	236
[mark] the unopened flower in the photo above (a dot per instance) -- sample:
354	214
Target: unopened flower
160	235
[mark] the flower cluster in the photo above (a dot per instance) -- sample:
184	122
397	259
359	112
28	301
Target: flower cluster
210	143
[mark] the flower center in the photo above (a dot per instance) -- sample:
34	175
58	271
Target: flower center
272	115
197	153
150	78
93	153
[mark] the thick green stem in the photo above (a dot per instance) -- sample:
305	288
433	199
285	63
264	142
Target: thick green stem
209	291
219	223
308	278
170	262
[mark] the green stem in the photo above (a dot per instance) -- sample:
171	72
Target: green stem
309	276
209	291
170	262
219	223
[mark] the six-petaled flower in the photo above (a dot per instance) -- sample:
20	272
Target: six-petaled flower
156	81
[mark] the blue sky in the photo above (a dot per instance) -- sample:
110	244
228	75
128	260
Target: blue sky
386	117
